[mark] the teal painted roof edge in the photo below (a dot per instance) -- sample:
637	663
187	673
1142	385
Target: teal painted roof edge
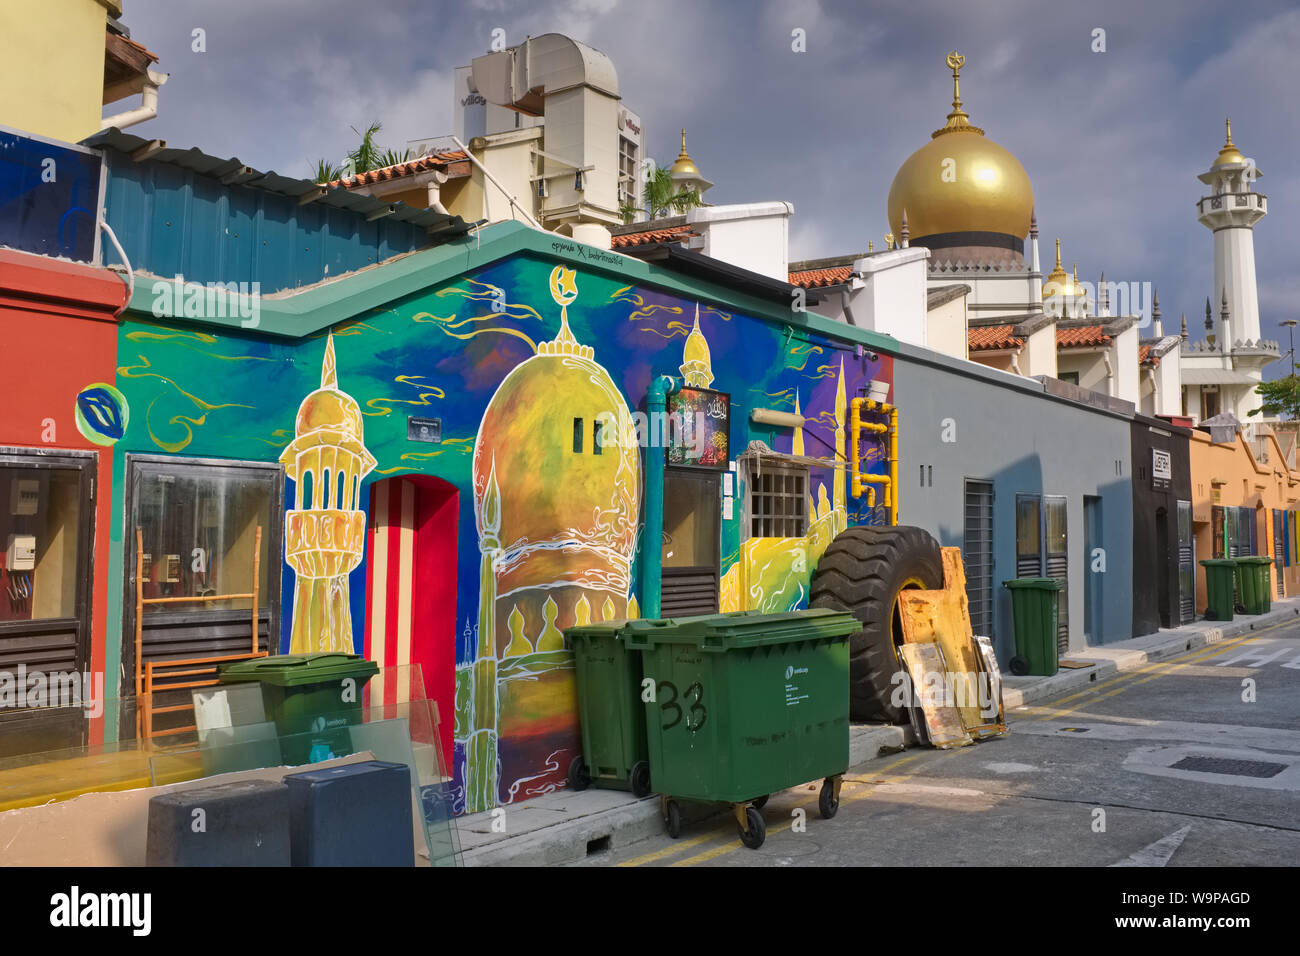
304	312
300	313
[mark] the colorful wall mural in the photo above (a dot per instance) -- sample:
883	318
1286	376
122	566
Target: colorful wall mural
519	360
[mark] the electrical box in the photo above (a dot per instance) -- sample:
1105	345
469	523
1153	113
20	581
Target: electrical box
24	496
21	553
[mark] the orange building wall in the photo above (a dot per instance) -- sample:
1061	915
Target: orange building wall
1229	475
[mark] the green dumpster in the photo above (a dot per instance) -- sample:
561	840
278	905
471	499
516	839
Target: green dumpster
1034	609
609	708
312	698
1254	583
1219	580
744	705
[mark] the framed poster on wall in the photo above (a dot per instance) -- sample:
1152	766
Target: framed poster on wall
699	428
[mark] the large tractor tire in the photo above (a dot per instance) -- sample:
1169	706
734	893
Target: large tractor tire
862	571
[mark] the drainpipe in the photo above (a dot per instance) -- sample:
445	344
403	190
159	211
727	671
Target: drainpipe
845	299
433	192
147	109
1155	392
1015	363
1110	373
656	401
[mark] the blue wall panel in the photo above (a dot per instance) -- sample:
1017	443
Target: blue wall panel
171	220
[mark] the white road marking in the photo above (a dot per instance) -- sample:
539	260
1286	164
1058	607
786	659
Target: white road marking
1158	853
1011	767
1191	732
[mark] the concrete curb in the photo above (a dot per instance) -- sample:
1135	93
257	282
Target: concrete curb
564	827
1123	656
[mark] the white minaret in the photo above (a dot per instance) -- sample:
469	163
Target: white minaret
1230	212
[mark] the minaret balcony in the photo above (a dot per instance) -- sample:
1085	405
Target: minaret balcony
1232	209
325	543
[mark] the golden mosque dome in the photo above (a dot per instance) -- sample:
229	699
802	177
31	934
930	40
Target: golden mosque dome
684	166
984	189
537	498
1229	153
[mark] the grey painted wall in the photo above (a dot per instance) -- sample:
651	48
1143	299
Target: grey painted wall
1011	433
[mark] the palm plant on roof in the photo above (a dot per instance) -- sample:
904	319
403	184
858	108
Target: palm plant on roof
662	197
366	157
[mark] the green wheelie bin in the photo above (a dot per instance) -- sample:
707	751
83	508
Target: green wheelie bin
1253	583
1034	609
744	705
609	709
312	698
1219	591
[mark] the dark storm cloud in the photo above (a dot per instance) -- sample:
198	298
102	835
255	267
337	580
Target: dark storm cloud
1112	141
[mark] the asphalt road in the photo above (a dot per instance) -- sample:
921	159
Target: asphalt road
1170	765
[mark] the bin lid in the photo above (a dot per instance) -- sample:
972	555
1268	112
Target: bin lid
1254	559
1033	584
1218	563
601	630
292	670
742	629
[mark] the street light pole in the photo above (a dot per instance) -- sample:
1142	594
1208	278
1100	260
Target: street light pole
1295	404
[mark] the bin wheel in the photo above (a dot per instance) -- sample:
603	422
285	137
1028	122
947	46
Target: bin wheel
759	803
640	778
755	832
1019	666
827	802
579	776
673	819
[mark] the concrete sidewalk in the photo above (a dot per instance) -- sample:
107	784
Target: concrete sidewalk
565	826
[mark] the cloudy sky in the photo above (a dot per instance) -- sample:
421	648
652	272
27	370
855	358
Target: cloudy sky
1112	141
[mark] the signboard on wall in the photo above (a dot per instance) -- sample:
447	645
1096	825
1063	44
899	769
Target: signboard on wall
49	197
699	428
1162	469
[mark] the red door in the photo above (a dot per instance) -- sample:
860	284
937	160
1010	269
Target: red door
411	594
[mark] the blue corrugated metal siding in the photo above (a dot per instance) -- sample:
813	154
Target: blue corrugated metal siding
174	221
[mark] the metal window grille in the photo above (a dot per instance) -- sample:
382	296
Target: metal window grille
778	501
977	553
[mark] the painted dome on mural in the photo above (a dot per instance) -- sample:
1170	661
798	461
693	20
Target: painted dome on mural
534	492
961	182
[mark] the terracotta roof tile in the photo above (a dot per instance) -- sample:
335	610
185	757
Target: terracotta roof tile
649	236
818	278
983	338
409	168
1081	337
1146	357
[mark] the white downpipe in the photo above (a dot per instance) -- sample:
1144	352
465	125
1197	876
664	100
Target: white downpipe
1110	373
514	204
1155	392
147	109
130	273
1015	362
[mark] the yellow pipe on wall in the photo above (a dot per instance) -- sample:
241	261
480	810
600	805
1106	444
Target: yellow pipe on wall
890	482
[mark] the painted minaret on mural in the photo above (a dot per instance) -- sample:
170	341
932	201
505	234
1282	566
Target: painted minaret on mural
325	532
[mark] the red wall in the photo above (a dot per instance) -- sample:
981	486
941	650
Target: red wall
58	334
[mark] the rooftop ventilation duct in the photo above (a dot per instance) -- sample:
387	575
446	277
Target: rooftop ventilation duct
574	88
